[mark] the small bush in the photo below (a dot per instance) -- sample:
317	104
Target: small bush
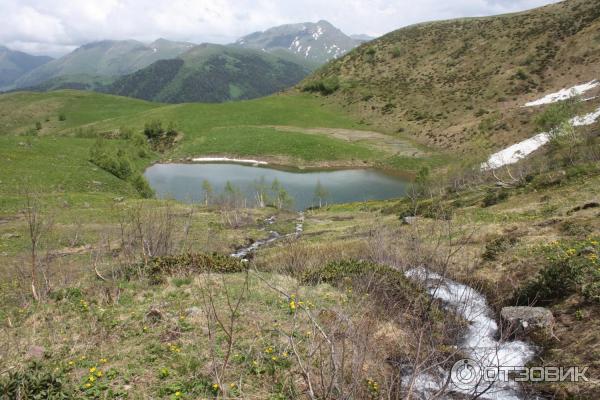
36	381
142	186
493	197
62	117
498	246
38	125
160	267
325	86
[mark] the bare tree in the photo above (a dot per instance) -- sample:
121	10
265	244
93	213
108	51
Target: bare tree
37	226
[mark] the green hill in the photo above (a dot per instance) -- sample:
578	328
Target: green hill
213	73
106	58
453	83
14	64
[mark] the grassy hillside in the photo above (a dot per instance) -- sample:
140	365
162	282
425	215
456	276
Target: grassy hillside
288	130
212	73
454	83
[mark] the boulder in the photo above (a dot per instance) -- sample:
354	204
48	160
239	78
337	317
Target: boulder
519	321
409	220
36	352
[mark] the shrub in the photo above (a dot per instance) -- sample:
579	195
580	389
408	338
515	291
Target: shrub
324	86
159	137
493	197
62	117
38	125
383	281
34	382
498	246
142	186
160	267
572	268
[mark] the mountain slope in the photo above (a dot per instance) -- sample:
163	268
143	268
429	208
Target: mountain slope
14	64
318	42
212	73
455	83
106	58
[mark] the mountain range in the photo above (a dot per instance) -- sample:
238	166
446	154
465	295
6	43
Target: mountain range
256	65
319	42
212	73
15	64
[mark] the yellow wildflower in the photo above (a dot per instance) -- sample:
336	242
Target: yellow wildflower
92	378
274	358
103	360
215	386
93	369
177	394
99	374
269	350
87	385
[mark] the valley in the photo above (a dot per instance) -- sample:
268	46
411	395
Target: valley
233	221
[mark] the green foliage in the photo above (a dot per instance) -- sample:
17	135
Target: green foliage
572	267
35	381
62	117
160	138
38	125
117	163
142	186
324	86
383	281
160	267
498	246
495	196
556	114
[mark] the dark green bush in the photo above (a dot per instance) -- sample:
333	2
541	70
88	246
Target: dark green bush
34	382
142	186
384	282
572	268
159	268
495	196
498	246
324	86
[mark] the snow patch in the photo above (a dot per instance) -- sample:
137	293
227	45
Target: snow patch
564	94
227	159
520	150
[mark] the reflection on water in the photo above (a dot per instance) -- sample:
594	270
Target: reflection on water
191	182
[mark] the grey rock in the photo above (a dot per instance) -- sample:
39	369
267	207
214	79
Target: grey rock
519	320
409	220
36	352
193	312
587	251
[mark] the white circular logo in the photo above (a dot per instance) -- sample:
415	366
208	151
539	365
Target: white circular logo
466	374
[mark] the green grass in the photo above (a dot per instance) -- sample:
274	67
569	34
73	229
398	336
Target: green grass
21	110
256	140
54	165
237	128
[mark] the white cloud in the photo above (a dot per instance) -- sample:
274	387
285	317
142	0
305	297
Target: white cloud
57	26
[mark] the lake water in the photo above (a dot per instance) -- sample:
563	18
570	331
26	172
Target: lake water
184	182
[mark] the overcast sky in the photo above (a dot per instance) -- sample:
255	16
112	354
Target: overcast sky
55	27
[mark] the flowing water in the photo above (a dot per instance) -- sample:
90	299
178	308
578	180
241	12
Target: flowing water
480	343
184	182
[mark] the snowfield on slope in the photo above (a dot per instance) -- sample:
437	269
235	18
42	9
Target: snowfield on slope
564	94
227	159
518	151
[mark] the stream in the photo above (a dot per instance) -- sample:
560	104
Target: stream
480	343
